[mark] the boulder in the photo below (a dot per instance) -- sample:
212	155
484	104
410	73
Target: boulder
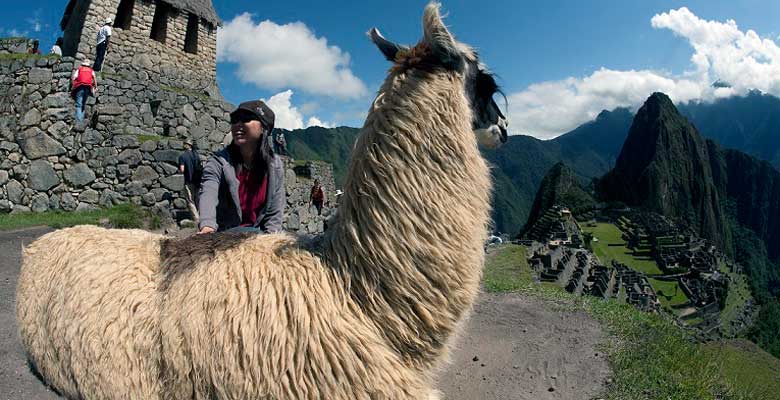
125	141
39	144
31	117
169	156
3	177
89	196
67	202
42	176
131	156
15	191
174	183
39	75
85	207
5	206
40	203
145	174
79	175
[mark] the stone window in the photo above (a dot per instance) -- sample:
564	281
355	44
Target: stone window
124	14
191	40
160	22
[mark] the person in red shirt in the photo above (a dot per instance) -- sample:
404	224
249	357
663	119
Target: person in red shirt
83	85
317	196
242	187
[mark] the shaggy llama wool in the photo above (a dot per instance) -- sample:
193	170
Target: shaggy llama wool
367	314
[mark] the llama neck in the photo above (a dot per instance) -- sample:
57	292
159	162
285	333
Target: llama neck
412	223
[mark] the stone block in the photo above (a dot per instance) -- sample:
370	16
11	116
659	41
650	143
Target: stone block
89	196
57	100
58	129
169	156
125	141
58	113
54	202
42	176
145	174
15	190
5	206
85	207
3	177
37	144
174	183
149	146
39	75
67	202
148	199
130	156
40	203
79	175
31	117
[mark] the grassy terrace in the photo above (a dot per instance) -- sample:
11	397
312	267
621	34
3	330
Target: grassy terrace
610	246
651	358
124	216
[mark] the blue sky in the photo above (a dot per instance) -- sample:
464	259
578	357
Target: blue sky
560	62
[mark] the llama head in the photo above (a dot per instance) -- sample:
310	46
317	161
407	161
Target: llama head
438	49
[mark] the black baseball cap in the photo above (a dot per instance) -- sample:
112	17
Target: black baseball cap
259	109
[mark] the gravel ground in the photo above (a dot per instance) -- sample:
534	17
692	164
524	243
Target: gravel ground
513	348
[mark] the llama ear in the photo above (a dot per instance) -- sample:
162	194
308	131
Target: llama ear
439	38
388	48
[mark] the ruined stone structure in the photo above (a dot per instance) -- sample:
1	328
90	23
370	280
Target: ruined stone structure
180	36
151	97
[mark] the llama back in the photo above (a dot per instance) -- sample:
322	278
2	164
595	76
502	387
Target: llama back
248	316
86	310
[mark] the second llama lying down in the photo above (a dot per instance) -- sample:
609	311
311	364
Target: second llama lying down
369	314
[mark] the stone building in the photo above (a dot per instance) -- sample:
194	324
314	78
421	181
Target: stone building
157	89
179	33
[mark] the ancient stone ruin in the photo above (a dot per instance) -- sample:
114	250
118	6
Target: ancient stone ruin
155	91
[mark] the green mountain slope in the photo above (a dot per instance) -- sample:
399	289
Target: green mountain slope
749	123
559	187
333	145
725	195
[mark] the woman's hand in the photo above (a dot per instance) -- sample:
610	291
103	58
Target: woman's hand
206	229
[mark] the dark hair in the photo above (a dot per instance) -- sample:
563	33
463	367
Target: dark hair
59	41
264	150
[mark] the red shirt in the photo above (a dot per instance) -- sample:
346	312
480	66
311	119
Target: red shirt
252	192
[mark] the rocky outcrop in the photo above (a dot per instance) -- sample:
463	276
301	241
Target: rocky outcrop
664	166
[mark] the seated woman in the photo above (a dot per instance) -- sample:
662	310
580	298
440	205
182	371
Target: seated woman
242	187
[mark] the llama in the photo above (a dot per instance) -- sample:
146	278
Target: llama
367	313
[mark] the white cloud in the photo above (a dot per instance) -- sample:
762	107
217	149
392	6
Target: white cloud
721	52
314	121
289	116
274	56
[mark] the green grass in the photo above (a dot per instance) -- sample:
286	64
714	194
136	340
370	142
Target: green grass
149	138
506	269
669	293
24	56
123	216
747	368
610	246
651	358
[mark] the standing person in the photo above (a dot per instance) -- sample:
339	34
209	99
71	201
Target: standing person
34	49
57	48
191	168
243	184
281	144
317	196
103	41
83	85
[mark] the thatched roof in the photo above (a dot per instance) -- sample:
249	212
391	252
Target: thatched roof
201	8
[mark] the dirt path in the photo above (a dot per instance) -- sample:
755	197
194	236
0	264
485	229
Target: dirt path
513	348
516	347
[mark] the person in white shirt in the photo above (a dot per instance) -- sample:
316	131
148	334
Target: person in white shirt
57	48
103	40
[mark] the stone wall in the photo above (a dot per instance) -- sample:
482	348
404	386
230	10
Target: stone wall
194	70
127	152
15	45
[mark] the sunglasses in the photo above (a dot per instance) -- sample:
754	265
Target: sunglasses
242	118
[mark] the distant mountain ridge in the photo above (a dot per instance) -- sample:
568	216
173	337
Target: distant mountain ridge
559	187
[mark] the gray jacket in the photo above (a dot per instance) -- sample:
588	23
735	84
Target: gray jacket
219	205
